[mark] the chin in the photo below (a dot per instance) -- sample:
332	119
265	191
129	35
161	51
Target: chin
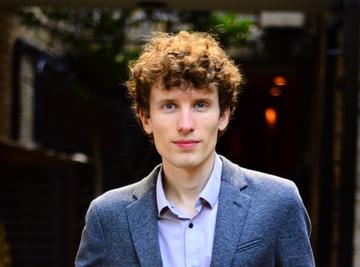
188	162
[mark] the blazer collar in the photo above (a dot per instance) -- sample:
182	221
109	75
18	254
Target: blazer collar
148	183
142	218
233	174
232	213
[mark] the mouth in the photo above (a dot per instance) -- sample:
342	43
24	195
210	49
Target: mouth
186	143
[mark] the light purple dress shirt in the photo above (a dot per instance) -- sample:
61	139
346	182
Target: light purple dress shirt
188	241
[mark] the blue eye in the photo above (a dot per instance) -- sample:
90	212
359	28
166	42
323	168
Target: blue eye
201	106
168	107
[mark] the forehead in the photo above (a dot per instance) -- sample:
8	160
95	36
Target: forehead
159	91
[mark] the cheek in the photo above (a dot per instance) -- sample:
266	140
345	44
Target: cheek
212	124
160	133
161	126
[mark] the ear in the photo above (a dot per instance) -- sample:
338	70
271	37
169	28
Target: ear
145	121
224	119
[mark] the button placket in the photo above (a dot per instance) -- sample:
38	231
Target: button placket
192	246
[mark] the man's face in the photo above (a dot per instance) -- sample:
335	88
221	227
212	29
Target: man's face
184	124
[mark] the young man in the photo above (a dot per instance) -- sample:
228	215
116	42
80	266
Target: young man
196	208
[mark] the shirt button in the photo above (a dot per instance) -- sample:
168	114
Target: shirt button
191	225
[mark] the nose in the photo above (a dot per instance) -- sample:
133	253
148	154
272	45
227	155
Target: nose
185	121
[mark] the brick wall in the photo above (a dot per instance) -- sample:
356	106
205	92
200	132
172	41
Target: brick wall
8	34
10	30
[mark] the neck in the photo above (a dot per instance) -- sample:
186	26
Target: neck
182	186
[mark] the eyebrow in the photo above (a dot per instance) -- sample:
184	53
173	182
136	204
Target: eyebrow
204	98
165	100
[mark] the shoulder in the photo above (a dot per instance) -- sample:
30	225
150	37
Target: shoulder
111	205
270	190
259	184
115	197
118	199
267	182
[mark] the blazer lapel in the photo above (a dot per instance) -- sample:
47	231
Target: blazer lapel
232	213
142	218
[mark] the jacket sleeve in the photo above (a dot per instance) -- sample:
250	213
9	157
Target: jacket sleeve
92	249
293	246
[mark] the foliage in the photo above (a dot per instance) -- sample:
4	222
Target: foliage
233	30
95	39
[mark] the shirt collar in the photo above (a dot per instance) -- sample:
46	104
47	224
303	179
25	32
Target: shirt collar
161	200
211	190
209	193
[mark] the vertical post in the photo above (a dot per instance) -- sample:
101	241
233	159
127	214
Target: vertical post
350	124
98	162
327	245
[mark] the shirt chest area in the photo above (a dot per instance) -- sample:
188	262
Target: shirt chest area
186	241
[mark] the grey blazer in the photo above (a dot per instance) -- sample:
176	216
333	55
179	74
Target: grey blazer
261	221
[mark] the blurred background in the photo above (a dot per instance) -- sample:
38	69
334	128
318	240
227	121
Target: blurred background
67	133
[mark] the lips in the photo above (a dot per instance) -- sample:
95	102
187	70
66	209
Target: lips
186	143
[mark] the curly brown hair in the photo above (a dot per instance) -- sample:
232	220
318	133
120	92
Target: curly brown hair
187	58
